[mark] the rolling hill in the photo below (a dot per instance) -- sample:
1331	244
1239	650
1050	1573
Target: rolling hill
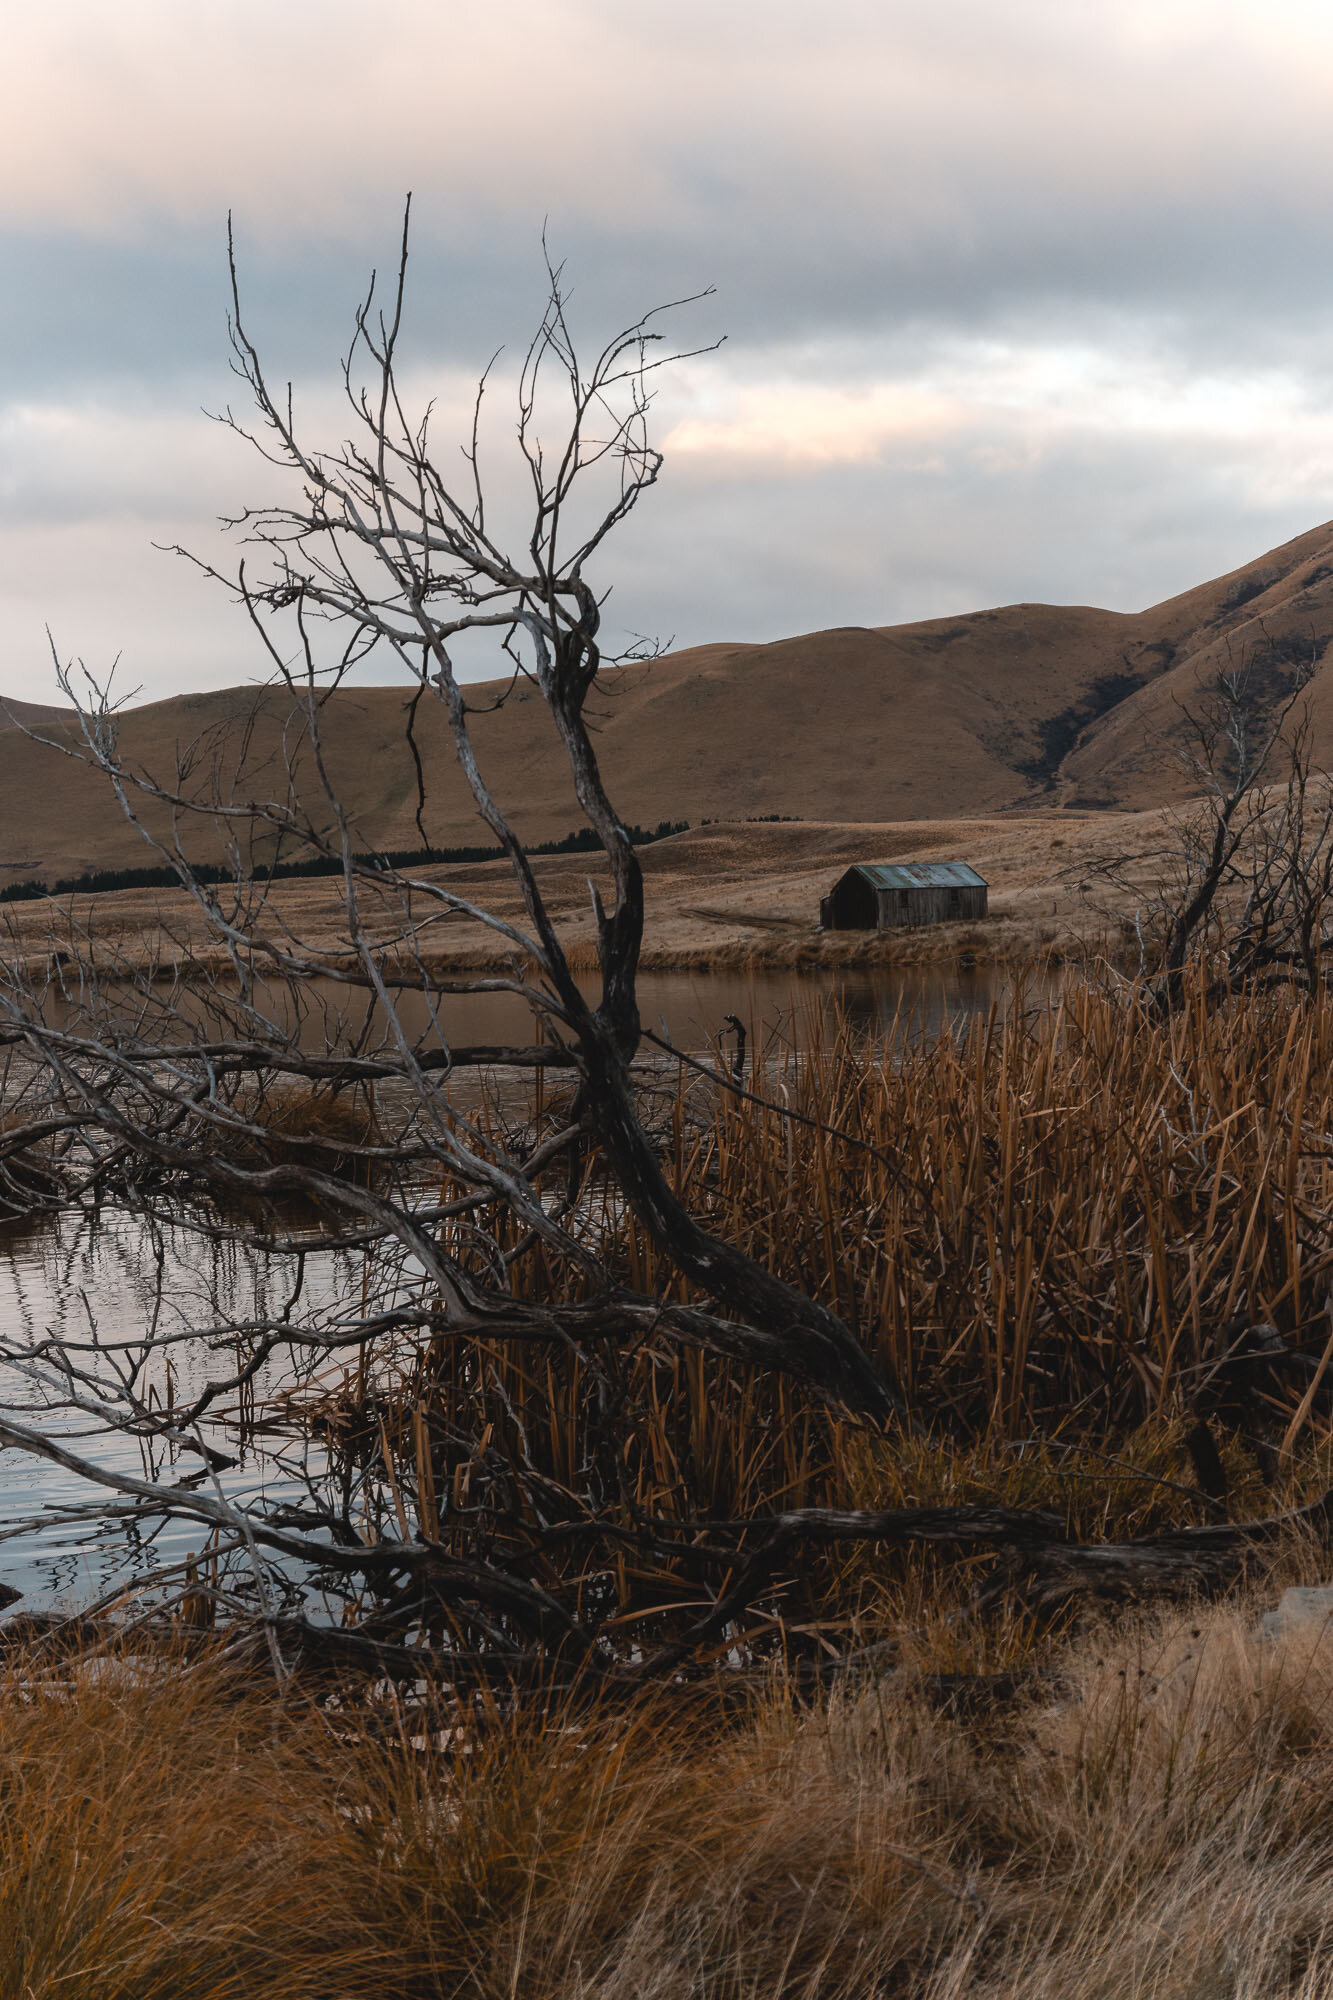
29	714
1025	707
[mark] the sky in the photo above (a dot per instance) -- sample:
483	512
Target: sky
1022	299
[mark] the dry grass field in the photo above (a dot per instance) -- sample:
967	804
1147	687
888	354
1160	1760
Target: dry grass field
1142	1813
727	895
1131	1803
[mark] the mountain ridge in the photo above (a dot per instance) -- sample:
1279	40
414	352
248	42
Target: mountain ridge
1013	707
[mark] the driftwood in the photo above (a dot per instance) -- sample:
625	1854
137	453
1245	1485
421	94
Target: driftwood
1041	1568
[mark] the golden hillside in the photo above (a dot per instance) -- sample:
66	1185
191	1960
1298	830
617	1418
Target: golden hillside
1029	706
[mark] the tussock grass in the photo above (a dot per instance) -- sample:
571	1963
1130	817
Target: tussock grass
1157	1822
1154	1816
1155	1819
161	1838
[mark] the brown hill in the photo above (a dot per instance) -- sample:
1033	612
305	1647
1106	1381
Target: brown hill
29	714
1026	706
1274	618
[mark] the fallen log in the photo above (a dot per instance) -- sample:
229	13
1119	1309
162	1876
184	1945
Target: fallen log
1045	1568
1041	1566
1204	1558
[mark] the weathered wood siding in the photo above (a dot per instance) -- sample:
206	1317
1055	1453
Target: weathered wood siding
909	907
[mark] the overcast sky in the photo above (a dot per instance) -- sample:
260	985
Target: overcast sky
1024	299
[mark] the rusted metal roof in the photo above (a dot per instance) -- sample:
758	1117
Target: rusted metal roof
920	875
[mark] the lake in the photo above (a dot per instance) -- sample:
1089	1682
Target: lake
110	1275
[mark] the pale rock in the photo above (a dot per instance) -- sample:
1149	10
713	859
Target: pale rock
1303	1604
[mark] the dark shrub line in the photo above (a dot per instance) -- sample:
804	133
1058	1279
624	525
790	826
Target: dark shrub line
101	880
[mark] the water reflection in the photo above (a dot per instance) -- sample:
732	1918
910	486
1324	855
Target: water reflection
113	1276
690	1007
687	1008
104	1282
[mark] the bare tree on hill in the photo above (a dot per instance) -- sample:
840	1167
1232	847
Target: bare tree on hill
1244	882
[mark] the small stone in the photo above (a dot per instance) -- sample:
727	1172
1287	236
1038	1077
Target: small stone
1303	1604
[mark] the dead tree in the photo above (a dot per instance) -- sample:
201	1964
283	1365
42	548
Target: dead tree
1243	882
159	1089
480	1468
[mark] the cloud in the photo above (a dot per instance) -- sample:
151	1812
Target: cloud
869	161
1024	299
987	473
834	406
792	426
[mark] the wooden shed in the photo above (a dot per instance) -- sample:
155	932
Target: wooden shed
880	895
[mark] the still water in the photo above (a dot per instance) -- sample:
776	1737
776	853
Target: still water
687	1008
109	1277
134	1297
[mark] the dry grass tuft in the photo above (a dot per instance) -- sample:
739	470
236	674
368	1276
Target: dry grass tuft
164	1834
286	1122
1153	1816
1157	1820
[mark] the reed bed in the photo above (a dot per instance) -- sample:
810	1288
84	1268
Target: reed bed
1049	1227
1050	1217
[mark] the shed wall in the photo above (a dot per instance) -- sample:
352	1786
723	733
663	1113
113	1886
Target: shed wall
915	907
851	905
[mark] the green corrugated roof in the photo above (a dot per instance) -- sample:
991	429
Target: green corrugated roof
921	875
